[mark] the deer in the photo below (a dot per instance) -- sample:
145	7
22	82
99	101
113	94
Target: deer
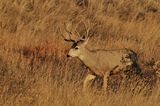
100	62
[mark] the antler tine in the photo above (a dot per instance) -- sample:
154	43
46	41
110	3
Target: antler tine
87	30
68	40
78	32
69	34
61	33
81	38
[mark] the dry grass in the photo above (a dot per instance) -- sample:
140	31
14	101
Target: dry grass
33	66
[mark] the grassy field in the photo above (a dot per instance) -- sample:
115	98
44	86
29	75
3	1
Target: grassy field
34	70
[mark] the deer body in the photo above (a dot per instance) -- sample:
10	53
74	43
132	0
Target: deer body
101	62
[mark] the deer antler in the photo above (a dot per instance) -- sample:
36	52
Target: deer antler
87	31
69	34
85	37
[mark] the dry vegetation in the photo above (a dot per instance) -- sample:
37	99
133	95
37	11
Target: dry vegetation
35	71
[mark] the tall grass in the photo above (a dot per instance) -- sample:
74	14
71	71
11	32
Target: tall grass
35	71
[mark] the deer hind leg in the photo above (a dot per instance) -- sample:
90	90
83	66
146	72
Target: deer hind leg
87	80
105	81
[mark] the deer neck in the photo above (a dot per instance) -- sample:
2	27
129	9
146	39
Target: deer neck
87	56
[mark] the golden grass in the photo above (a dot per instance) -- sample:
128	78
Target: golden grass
35	71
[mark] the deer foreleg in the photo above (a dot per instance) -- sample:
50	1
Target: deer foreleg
87	80
105	81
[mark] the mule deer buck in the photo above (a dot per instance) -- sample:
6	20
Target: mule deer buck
100	62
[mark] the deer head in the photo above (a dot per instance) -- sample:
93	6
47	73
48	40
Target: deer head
78	46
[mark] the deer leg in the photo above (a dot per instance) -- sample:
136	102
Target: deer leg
105	81
88	78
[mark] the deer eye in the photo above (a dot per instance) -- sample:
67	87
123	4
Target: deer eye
76	48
